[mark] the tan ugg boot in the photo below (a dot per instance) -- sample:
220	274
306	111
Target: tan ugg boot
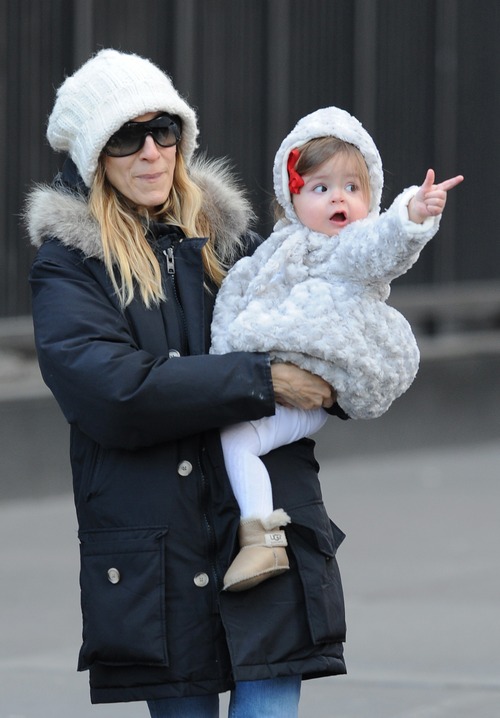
262	552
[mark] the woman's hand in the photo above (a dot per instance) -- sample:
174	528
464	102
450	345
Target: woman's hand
301	389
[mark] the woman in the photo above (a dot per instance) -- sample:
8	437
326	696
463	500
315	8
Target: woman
134	239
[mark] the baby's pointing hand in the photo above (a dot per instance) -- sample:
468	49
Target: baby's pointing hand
430	199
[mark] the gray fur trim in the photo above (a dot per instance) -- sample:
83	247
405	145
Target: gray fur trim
51	212
226	207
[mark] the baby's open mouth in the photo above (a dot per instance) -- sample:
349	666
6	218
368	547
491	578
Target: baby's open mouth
338	217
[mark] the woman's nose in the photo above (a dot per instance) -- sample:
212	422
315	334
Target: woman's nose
149	149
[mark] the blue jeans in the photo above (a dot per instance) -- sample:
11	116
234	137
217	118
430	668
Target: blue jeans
273	698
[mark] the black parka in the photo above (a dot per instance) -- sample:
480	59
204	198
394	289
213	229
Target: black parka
157	518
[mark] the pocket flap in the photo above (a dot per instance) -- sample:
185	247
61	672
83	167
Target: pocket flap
315	527
123	586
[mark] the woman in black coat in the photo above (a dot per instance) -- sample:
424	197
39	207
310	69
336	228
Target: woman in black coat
133	240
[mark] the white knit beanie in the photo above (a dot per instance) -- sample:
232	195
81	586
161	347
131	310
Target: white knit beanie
108	90
328	122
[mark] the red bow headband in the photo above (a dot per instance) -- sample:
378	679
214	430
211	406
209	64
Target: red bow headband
295	181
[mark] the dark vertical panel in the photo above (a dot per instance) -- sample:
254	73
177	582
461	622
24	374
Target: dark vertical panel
33	49
82	26
185	60
229	90
477	247
280	53
146	29
365	39
405	93
15	156
4	146
446	112
322	56
310	65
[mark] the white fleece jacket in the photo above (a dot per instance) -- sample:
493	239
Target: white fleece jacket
320	302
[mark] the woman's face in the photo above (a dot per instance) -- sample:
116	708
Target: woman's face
146	177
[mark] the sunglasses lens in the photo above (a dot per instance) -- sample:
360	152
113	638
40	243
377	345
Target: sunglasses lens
166	136
125	142
131	137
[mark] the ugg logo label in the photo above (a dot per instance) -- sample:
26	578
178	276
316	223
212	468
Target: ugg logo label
277	538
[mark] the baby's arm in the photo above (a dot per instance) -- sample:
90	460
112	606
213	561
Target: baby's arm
430	199
385	248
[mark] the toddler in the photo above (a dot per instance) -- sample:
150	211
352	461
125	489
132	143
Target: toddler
314	294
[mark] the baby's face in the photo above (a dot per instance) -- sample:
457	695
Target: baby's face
331	197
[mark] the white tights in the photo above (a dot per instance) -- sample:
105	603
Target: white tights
244	443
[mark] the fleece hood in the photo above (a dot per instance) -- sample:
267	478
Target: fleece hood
328	122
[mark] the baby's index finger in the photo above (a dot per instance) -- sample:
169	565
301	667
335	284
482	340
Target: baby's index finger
450	183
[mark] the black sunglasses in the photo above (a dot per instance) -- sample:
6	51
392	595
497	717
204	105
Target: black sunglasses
164	129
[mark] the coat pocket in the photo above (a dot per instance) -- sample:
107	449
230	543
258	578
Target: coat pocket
122	581
314	540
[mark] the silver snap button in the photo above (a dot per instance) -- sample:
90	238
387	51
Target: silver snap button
113	575
184	468
173	353
201	580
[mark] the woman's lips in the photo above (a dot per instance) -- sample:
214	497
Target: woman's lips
153	177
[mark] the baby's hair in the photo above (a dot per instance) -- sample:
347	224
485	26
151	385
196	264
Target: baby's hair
321	149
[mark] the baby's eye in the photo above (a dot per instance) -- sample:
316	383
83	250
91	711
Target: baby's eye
351	187
320	188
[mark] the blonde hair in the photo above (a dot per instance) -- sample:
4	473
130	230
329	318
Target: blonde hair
128	256
321	149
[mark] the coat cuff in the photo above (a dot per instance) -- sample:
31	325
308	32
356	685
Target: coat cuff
336	410
414	228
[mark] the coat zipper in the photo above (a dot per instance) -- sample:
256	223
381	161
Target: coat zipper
169	254
170	260
205	499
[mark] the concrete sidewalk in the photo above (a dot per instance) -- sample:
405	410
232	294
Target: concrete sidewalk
421	576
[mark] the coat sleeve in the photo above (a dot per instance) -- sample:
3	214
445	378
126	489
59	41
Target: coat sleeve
117	393
385	248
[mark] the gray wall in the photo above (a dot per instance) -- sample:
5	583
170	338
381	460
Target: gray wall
422	77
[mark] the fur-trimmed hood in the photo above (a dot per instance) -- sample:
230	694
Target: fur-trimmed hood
328	122
61	210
